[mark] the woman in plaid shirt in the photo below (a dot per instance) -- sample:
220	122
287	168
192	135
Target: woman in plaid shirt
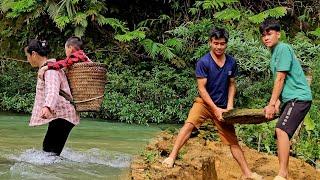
49	106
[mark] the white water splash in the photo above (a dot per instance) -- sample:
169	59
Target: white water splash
36	157
91	156
97	156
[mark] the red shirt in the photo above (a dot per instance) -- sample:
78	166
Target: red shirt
76	56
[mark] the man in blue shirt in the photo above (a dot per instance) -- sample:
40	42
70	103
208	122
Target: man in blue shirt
215	74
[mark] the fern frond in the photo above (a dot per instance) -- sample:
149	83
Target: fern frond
129	36
316	32
228	14
151	47
258	18
164	17
19	7
66	5
200	51
193	11
198	4
75	1
79	31
217	4
35	14
180	31
277	12
53	10
166	52
176	43
6	5
114	23
80	19
61	21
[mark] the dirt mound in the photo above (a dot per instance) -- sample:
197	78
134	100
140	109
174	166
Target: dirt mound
193	165
262	163
204	159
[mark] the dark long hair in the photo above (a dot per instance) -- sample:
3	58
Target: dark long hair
41	47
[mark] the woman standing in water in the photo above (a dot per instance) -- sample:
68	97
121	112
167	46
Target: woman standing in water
49	106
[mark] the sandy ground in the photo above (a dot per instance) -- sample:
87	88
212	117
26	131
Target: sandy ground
262	163
195	153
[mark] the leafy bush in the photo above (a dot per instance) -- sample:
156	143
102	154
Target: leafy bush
134	96
308	146
17	88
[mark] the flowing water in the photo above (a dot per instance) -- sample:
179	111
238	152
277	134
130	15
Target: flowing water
94	150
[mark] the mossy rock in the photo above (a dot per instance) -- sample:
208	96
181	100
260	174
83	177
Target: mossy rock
245	116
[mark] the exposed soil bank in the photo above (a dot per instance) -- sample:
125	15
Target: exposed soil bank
202	159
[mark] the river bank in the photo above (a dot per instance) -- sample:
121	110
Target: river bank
204	159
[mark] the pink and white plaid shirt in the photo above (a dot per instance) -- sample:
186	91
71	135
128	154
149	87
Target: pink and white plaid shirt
47	94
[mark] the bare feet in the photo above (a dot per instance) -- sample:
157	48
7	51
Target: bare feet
253	176
168	162
279	178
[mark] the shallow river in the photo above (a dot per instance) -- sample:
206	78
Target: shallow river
94	150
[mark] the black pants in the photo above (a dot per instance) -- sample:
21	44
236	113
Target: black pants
57	135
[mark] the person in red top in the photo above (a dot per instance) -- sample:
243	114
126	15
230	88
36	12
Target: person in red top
49	107
74	53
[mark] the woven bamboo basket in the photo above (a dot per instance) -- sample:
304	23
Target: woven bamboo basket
246	116
87	83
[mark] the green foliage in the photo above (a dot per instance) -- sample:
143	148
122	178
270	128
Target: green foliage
149	156
163	18
246	87
308	145
315	85
275	13
253	59
114	23
228	14
258	136
133	95
316	32
306	50
309	123
63	13
132	35
18	85
158	49
18	102
61	21
214	4
14	8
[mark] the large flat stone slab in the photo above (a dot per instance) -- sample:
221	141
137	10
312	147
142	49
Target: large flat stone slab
245	116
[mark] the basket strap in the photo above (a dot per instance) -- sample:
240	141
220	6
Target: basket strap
91	99
66	96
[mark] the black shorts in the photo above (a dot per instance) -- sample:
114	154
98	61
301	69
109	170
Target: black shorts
292	114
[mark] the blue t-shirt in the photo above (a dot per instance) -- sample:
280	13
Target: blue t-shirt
217	77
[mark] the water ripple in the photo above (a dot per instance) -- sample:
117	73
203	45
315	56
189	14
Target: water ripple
91	156
97	156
